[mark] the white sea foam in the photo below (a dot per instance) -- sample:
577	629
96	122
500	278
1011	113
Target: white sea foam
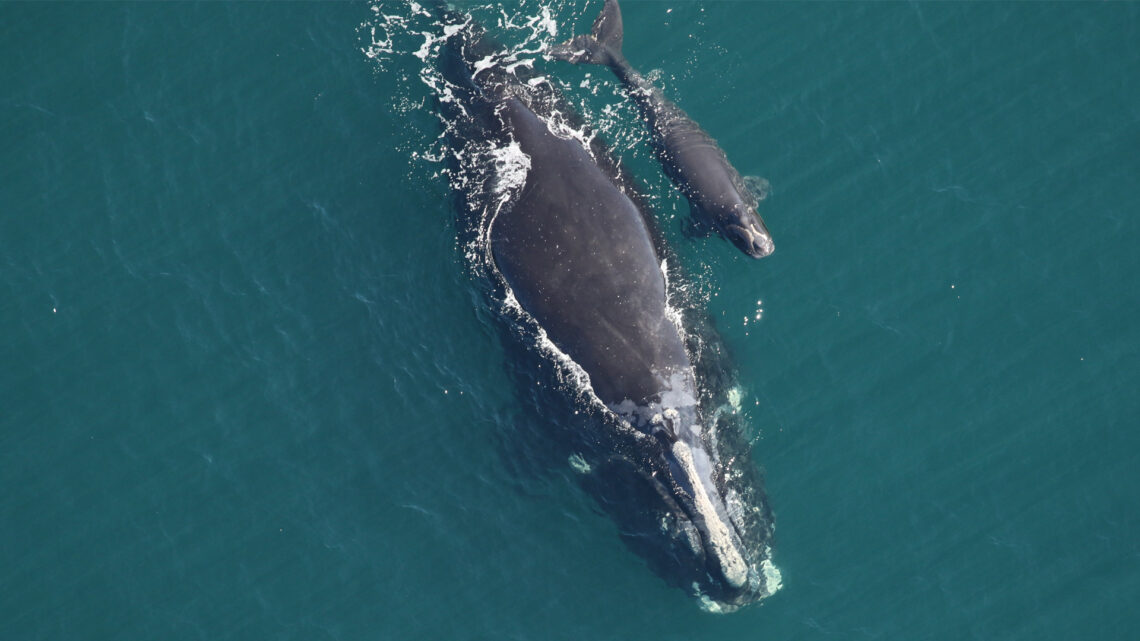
734	399
579	464
482	65
511	166
773	580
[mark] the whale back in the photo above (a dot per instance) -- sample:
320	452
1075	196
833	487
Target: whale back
579	258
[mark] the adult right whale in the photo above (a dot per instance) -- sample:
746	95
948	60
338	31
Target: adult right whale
717	194
577	255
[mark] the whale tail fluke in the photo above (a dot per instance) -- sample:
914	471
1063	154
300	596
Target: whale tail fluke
602	46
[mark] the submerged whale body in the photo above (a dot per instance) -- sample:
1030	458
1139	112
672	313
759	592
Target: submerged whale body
717	194
576	253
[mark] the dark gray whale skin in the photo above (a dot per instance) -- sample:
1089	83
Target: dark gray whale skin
579	258
577	254
689	156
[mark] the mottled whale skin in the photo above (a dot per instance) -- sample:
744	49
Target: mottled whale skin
692	159
578	256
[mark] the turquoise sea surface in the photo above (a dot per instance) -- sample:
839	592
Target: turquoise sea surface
251	388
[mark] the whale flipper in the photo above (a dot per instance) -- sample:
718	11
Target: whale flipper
602	46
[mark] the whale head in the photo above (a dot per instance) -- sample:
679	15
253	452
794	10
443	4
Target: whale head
735	218
684	512
749	235
729	559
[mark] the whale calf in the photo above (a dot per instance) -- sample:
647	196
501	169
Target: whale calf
576	253
717	194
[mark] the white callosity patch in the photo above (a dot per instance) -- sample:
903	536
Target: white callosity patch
720	540
677	393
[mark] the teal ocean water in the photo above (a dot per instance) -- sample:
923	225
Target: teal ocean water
251	388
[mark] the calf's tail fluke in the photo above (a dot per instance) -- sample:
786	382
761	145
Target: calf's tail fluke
602	46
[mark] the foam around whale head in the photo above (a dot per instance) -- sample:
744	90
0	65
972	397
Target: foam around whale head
725	559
